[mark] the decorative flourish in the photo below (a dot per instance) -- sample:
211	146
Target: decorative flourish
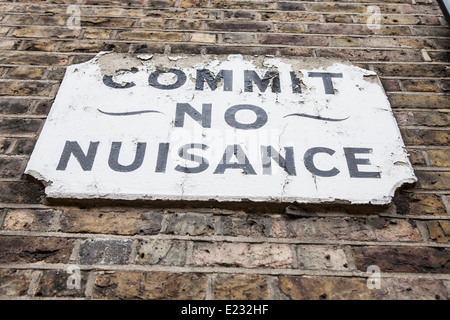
127	113
314	117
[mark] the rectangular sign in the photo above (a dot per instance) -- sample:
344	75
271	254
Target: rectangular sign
222	128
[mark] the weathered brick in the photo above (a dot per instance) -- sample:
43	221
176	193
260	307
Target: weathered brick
279	16
248	225
302	52
21	192
150	285
439	180
297	40
53	283
322	228
243	255
394	230
203	37
162	252
25	73
193	3
238	38
439	158
187	25
240	287
109	22
323	288
11	167
431	31
425	137
127	222
19	125
336	7
186	48
161	3
418	204
190	224
35	249
239	26
45	32
290	27
338	288
93	46
337	18
26	58
39	45
431	118
249	50
391	19
146	35
352	54
420	85
6	145
403	259
104	251
417	157
290	6
90	33
241	4
318	257
150	48
7	44
24	146
25	88
13	105
416	289
338	28
31	220
391	85
420	9
14	283
439	231
241	14
411	70
405	56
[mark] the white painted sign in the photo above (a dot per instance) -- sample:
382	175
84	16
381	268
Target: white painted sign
223	128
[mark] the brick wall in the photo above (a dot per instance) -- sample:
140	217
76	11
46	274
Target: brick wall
143	251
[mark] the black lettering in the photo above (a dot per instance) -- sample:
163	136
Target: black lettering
261	117
296	83
113	160
309	162
250	77
287	163
206	75
153	79
204	118
242	160
353	162
183	153
85	160
163	153
108	80
326	78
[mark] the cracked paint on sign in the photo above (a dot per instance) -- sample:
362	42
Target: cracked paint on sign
223	128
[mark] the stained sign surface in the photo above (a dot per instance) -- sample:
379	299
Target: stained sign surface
223	128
